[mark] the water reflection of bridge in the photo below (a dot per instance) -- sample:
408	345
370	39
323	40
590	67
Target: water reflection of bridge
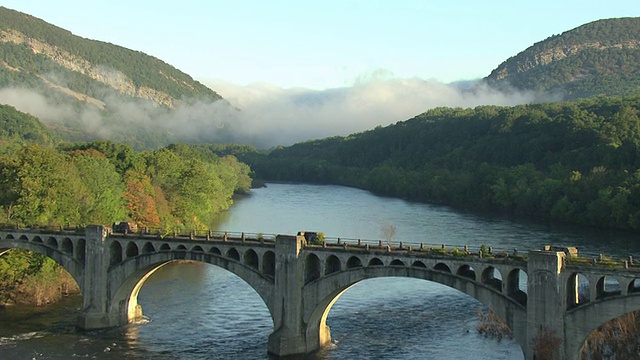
299	282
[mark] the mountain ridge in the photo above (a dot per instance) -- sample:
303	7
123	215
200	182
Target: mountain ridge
598	58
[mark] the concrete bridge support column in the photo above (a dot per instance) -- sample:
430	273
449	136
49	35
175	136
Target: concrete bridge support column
546	304
289	336
95	314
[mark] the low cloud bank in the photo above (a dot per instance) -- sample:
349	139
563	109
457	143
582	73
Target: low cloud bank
263	115
275	116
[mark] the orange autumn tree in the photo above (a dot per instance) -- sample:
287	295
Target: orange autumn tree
140	197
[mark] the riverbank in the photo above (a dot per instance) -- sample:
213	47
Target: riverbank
31	279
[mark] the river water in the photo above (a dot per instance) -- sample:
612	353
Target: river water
199	311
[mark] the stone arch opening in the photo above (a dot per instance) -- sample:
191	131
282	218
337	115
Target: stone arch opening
311	268
251	259
115	253
132	250
148	248
52	242
354	262
442	267
67	246
215	250
198	249
165	247
394	295
607	286
397	262
181	248
81	250
375	262
517	285
269	263
68	273
467	271
205	287
233	254
616	338
578	290
492	278
634	286
332	265
36	239
419	264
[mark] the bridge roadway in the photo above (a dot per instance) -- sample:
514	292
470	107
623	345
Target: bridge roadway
547	289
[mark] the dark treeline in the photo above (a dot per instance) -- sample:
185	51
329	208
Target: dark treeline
575	162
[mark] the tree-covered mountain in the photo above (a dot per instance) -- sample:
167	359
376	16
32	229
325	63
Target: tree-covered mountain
575	162
18	128
598	58
86	89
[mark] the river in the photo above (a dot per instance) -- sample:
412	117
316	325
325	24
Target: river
199	311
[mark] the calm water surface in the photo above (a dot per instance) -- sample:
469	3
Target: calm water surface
199	311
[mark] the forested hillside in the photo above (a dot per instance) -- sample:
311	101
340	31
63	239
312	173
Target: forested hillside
19	128
572	162
598	58
85	89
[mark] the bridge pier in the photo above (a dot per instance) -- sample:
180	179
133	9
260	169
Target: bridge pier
95	312
546	305
291	335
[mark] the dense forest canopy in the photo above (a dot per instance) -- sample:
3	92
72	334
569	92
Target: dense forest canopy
576	162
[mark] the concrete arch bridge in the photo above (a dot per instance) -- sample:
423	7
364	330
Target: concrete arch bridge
548	289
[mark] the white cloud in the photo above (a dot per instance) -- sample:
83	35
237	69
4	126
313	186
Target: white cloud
279	116
269	115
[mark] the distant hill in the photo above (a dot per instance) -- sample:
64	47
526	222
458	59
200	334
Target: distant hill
598	58
21	128
86	89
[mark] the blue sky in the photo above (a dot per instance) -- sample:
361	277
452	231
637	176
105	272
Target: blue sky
325	44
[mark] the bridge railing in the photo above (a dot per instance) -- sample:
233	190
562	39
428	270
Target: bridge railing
481	251
43	229
199	235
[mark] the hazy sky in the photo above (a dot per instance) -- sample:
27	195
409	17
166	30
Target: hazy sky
325	44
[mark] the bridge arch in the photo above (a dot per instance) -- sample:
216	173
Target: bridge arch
132	249
320	296
251	259
115	253
312	268
148	248
67	246
127	278
269	263
74	266
332	265
492	277
581	321
52	242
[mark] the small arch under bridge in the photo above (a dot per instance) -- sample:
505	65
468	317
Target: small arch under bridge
299	282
